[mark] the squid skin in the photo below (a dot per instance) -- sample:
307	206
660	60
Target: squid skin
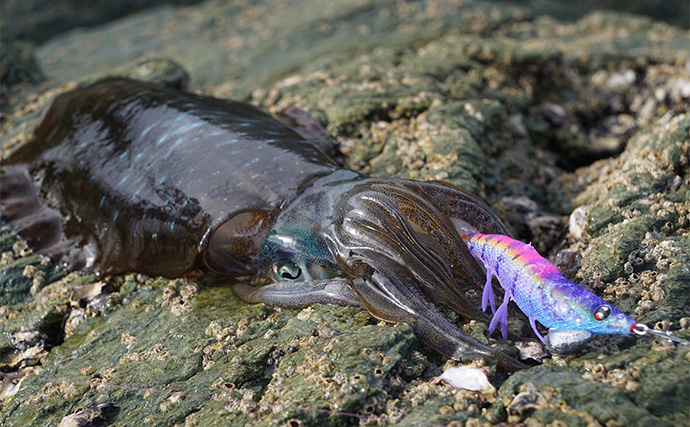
124	176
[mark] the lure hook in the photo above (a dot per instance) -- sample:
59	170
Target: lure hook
641	329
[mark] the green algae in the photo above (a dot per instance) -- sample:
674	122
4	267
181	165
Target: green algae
181	356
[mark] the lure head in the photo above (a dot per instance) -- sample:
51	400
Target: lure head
584	311
577	308
606	319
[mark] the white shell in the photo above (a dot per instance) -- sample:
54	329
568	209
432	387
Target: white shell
466	377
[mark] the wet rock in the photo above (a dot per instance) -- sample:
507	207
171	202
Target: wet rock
629	221
39	20
18	63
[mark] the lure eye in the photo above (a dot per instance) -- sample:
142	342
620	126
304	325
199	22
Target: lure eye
602	312
287	271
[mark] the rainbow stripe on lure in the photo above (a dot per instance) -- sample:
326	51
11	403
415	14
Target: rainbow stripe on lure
543	294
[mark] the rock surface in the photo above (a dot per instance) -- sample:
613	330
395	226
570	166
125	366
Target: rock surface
575	129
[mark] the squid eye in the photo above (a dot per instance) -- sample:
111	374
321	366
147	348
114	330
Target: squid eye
288	271
602	312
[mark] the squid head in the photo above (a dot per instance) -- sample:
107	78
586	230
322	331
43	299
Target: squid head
390	245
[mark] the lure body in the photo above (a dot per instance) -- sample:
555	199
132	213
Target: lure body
540	290
124	176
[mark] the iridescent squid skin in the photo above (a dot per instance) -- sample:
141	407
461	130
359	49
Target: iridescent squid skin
571	312
124	176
